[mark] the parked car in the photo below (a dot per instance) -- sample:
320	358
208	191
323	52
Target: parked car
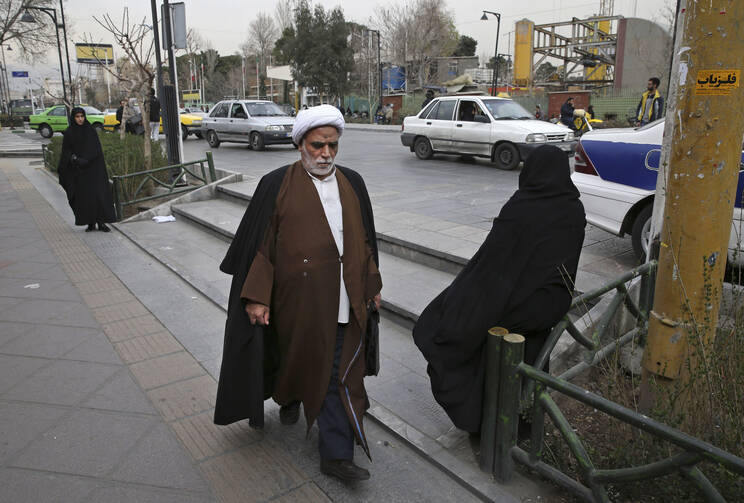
54	119
496	128
190	123
616	169
256	122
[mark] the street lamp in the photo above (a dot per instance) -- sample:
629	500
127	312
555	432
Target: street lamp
484	17
29	18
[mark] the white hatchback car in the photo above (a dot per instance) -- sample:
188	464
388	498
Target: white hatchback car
480	126
615	171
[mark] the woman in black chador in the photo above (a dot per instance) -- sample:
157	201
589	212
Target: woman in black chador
521	279
82	173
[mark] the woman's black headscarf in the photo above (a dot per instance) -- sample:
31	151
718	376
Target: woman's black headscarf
533	246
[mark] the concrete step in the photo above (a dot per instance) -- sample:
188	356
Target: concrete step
431	249
408	286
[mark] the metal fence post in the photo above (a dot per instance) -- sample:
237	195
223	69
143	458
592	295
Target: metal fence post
117	200
210	162
490	399
510	389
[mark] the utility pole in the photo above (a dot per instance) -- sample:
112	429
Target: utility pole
704	158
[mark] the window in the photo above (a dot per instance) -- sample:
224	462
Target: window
428	109
58	112
267	109
506	110
444	110
91	111
452	67
220	110
237	111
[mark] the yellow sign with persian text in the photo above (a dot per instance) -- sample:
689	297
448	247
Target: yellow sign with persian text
716	82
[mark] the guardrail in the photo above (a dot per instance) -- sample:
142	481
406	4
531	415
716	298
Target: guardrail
512	387
129	189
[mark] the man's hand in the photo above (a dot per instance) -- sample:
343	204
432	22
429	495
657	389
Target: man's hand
376	299
257	313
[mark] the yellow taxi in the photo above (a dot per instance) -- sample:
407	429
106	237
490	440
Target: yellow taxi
190	123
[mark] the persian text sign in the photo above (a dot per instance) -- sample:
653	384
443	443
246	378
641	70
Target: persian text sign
716	82
95	54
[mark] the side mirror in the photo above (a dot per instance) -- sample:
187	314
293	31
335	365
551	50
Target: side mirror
482	118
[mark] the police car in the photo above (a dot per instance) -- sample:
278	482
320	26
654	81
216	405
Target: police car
615	170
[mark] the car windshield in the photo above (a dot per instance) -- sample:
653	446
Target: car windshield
650	125
264	110
91	111
507	110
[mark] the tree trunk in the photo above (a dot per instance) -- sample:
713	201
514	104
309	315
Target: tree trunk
147	147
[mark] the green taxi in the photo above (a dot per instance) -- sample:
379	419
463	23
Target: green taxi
54	119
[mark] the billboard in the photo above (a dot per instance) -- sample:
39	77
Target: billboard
524	30
95	54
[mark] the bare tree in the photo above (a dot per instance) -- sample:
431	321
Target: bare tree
137	73
31	39
416	32
262	35
284	14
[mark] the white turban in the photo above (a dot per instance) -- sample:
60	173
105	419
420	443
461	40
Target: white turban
322	115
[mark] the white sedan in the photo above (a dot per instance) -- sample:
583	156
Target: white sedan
615	170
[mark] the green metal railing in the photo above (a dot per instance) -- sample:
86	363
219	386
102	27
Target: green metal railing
133	188
46	155
513	387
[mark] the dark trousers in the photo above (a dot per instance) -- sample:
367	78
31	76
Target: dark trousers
335	437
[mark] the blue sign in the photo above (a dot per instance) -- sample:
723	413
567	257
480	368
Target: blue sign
20	74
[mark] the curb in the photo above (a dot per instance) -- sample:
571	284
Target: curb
372	128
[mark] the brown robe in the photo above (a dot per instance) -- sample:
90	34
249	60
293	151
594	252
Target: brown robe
296	273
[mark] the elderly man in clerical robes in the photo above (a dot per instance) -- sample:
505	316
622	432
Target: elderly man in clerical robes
304	267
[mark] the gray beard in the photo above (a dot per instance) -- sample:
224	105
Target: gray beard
312	167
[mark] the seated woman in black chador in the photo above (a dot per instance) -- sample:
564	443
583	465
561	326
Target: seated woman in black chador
82	173
521	279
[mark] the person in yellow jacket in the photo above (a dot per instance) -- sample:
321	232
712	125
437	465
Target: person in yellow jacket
651	106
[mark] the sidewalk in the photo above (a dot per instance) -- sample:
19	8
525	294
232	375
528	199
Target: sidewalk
19	143
100	401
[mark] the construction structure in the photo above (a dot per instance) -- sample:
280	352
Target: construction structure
600	51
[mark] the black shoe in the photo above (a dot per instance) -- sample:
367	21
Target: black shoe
90	228
343	469
289	414
104	228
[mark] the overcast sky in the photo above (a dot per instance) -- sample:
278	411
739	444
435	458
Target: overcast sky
224	22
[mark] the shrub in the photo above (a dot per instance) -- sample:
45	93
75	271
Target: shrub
11	120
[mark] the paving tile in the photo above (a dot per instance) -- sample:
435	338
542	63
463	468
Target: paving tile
308	492
14	369
158	459
28	485
46	289
204	439
86	443
34	271
120	393
48	341
51	312
20	423
127	493
96	348
165	370
135	327
254	473
185	398
10	330
148	346
62	382
100	299
117	312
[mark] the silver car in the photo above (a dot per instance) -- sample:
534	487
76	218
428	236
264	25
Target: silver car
255	122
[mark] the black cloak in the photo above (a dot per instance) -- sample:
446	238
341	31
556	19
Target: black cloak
521	278
250	357
82	173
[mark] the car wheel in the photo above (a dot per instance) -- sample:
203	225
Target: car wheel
97	126
184	132
45	131
641	233
212	139
257	141
422	148
506	156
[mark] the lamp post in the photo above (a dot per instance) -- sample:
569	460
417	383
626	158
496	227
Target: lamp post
484	17
28	18
5	83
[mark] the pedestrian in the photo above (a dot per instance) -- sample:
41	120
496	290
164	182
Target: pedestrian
120	111
651	106
567	113
154	116
389	114
538	113
521	278
590	112
82	173
429	98
304	267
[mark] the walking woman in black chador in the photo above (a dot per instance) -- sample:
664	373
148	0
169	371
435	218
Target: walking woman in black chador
521	279
82	173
